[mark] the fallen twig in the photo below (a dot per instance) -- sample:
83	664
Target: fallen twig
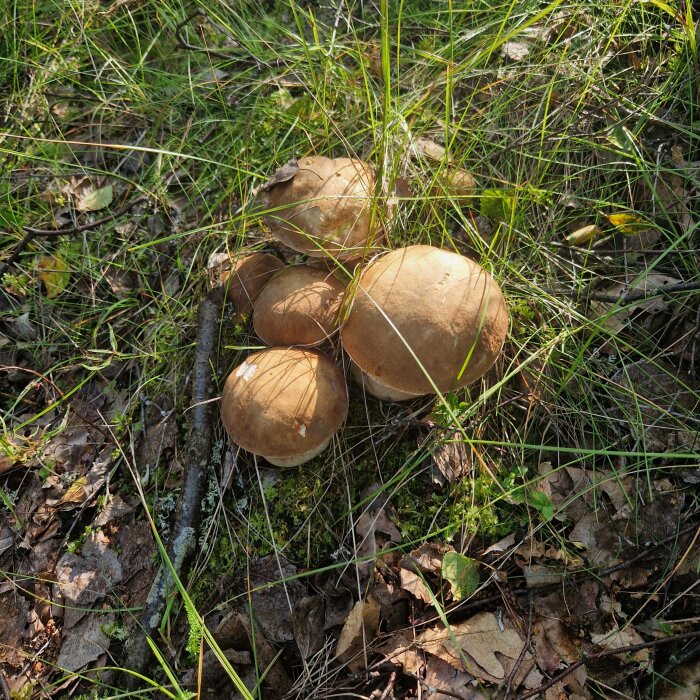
641	294
603	654
184	535
31	233
184	44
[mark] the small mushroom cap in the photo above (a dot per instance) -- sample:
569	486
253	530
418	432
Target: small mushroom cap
284	404
445	307
323	208
299	306
247	278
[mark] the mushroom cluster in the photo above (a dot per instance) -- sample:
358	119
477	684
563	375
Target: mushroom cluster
413	321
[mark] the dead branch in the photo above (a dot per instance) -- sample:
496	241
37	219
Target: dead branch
641	294
184	44
184	535
31	233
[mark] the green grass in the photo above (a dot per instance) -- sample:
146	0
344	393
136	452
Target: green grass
598	118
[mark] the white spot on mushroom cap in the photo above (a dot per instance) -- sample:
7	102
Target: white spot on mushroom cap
302	430
247	371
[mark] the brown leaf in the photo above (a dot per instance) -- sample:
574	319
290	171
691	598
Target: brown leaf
84	580
624	315
85	642
308	618
413	583
428	557
683	683
13	613
358	631
453	460
283	174
617	638
554	643
373	520
271	603
440	676
472	645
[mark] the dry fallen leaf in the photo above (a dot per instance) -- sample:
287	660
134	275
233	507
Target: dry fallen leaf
372	521
54	273
308	618
85	642
271	603
515	50
683	684
94	199
453	460
415	585
617	638
472	645
358	631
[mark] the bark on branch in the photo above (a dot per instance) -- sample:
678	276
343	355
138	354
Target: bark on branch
199	443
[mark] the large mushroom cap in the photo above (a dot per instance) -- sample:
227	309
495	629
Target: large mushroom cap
446	308
284	404
322	207
247	277
299	306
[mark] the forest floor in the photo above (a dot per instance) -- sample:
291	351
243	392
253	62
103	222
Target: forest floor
534	535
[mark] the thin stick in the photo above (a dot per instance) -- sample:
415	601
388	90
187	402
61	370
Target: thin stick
184	534
626	297
641	294
31	233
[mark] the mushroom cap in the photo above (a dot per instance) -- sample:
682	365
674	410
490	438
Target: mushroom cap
445	307
299	306
284	404
247	277
324	208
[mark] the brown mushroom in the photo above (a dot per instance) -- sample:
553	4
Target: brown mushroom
284	404
424	319
245	280
299	306
322	207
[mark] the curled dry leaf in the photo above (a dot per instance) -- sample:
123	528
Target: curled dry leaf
583	235
308	619
452	460
415	585
374	520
